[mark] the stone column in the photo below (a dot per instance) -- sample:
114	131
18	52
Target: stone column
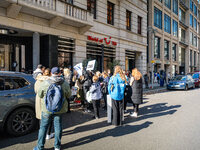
36	49
7	57
23	65
17	58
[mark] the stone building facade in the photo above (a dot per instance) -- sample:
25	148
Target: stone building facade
173	34
66	32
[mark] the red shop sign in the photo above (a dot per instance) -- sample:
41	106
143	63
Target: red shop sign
107	41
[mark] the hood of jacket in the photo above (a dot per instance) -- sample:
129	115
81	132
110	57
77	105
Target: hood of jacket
42	78
38	71
57	79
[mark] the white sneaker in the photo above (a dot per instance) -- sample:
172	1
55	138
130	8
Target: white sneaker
57	149
134	115
48	137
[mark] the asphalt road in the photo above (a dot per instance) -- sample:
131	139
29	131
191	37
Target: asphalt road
167	121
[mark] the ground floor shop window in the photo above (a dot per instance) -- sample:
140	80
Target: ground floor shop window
104	55
64	59
66	48
130	60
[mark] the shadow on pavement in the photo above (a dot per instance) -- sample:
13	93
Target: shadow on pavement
78	117
115	132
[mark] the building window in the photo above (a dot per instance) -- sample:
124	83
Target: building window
191	5
181	15
157	47
194	58
195	41
191	38
157	18
168	3
166	49
195	24
175	6
110	13
181	56
175	28
139	25
195	10
167	24
128	20
174	52
91	7
191	20
190	58
182	35
68	1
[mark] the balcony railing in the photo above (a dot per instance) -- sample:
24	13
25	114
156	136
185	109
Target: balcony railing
59	6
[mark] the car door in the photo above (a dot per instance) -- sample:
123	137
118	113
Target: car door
7	95
190	81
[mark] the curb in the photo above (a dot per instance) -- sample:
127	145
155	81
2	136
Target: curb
154	91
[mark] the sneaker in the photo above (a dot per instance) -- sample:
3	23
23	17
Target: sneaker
134	115
48	137
57	149
96	118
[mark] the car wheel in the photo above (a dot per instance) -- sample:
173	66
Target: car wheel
22	121
186	87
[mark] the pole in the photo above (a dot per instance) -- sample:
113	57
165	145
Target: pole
102	58
152	58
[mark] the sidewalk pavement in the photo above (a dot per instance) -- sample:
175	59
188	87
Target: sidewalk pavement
156	89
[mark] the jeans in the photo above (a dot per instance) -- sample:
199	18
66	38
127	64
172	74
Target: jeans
45	121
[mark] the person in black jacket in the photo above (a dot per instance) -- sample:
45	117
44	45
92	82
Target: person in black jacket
87	82
137	91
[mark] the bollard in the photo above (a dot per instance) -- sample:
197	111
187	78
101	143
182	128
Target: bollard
109	109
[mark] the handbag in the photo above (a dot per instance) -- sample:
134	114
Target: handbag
89	97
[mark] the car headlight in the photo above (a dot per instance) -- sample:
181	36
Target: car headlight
182	84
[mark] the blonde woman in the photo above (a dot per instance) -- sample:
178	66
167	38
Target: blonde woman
68	76
116	87
137	91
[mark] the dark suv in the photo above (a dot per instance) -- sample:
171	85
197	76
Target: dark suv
17	103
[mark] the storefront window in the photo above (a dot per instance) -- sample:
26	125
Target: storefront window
66	48
130	60
64	59
94	52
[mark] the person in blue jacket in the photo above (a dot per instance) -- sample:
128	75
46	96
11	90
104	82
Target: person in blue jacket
116	87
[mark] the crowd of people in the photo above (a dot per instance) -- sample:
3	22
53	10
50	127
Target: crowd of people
53	95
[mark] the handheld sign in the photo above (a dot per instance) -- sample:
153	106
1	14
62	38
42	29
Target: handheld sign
79	68
91	64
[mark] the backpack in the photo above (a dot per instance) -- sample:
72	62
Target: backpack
54	98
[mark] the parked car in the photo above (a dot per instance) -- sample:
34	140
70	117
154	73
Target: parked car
17	103
181	82
196	79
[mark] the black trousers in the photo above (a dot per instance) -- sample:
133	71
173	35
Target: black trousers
96	106
105	100
135	107
117	109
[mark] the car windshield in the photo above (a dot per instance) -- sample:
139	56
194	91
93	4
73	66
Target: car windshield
196	75
179	78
